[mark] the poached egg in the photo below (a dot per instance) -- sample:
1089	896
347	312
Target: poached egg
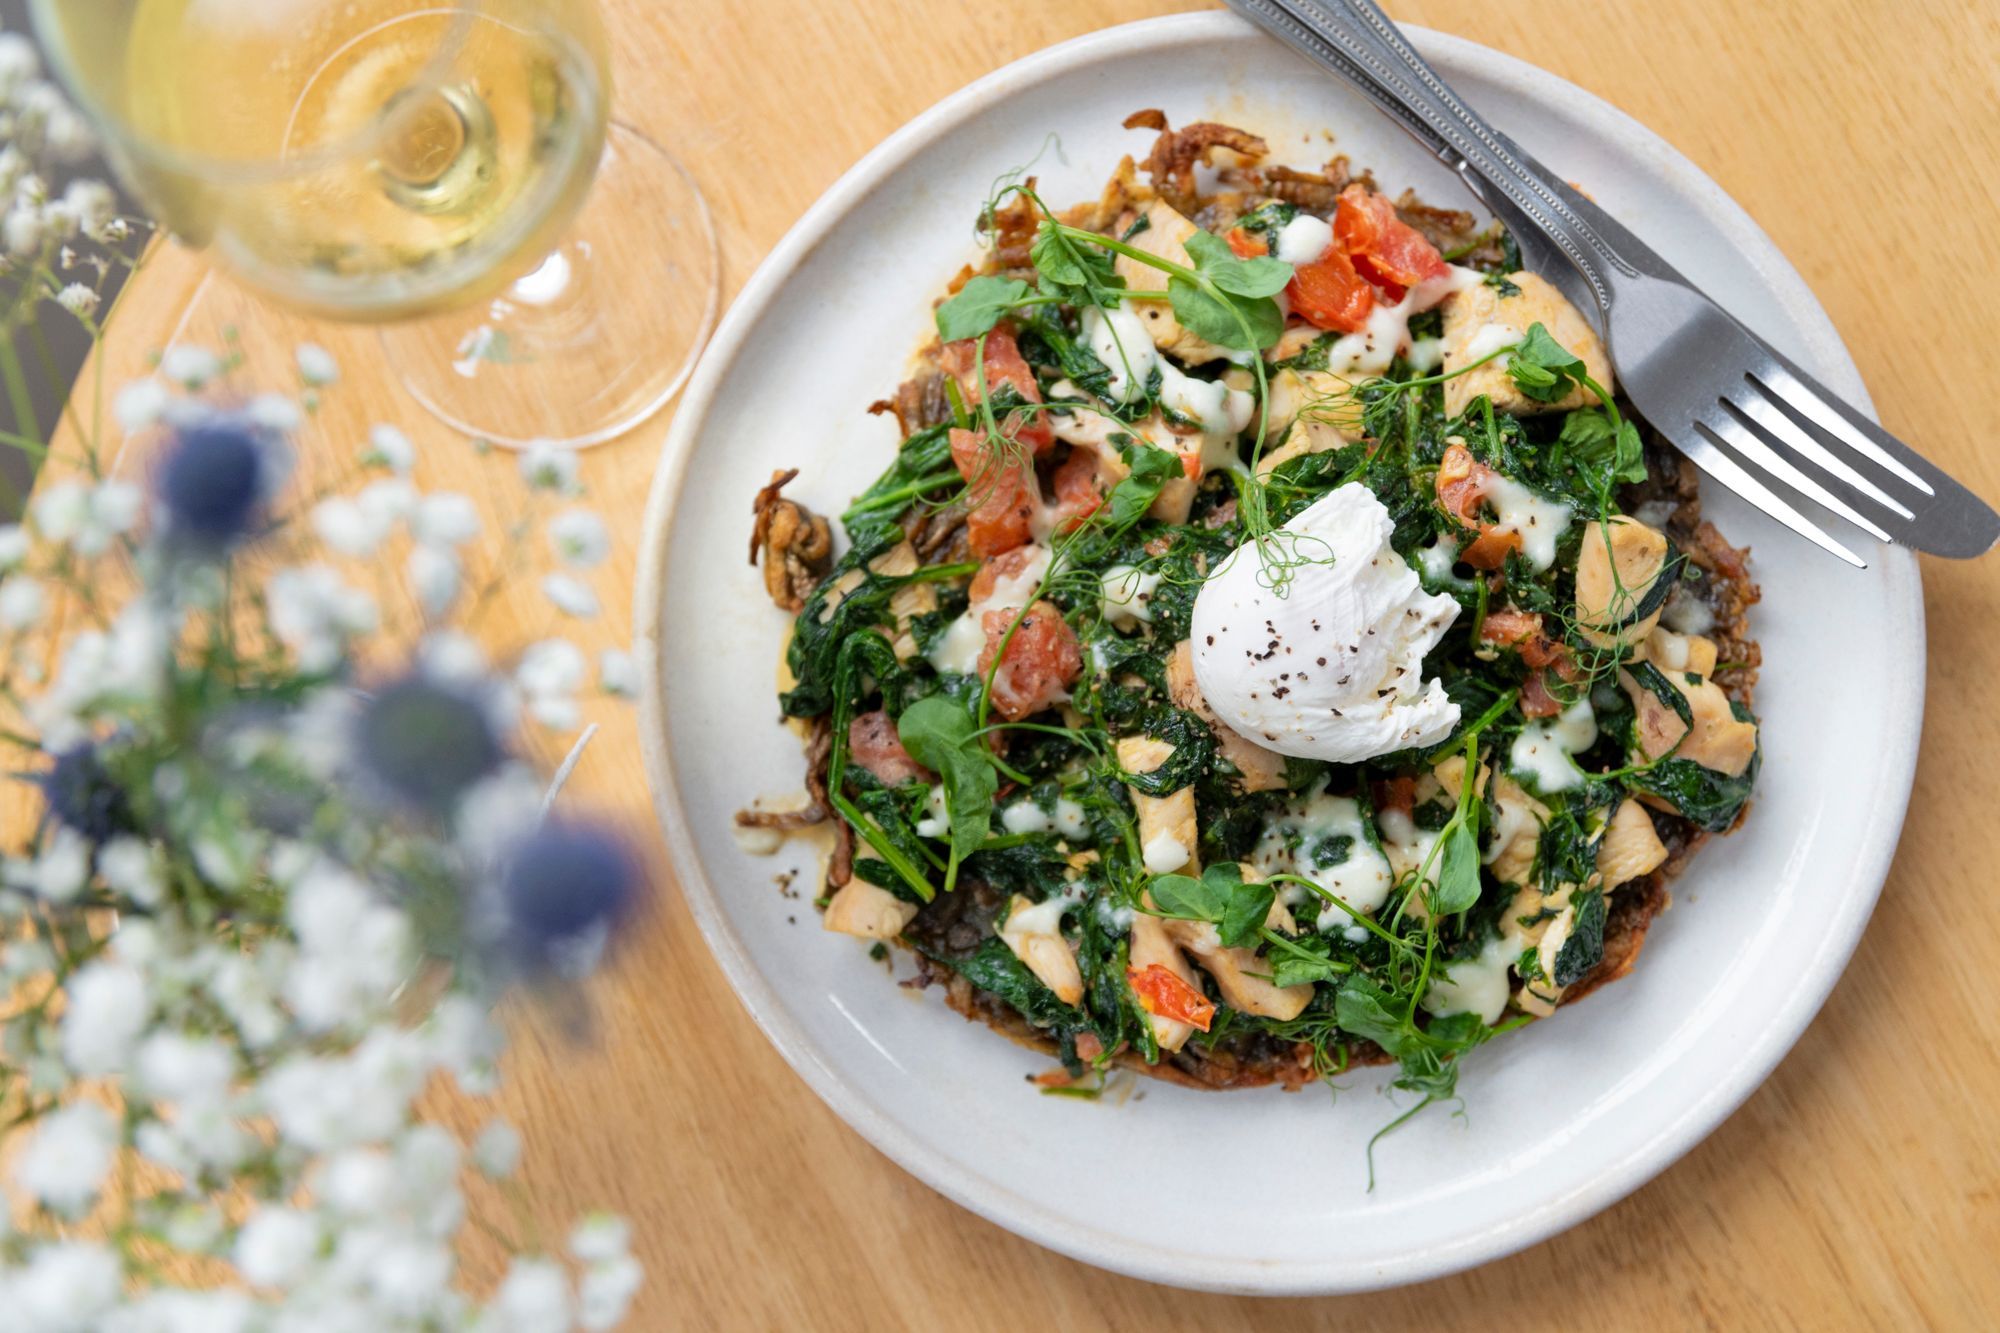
1325	662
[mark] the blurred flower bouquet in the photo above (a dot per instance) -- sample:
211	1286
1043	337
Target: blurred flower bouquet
277	867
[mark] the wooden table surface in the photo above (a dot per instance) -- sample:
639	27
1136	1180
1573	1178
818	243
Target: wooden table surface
1859	1187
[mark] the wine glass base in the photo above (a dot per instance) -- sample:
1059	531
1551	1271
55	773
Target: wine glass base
599	336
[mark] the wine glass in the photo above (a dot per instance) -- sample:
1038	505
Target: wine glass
449	165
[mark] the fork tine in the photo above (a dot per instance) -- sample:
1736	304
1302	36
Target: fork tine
1778	429
1711	458
1755	451
1796	393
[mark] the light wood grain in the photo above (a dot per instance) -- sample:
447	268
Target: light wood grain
1860	1187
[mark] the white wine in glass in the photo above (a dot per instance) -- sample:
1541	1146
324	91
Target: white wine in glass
448	166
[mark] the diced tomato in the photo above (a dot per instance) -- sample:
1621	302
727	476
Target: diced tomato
1043	660
1078	494
1004	365
1002	494
1395	794
1329	294
1536	701
1165	995
1088	1046
1244	245
872	742
1462	482
1386	249
1006	565
1523	631
1489	549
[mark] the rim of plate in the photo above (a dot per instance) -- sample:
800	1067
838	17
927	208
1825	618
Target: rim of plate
967	1186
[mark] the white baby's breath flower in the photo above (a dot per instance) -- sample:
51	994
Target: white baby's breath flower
445	518
604	1296
496	813
139	404
245	996
389	447
19	63
497	1150
19	961
549	674
130	869
178	1310
194	1227
600	1238
58	872
190	366
115	507
87	518
434	578
552	666
546	467
533	1298
572	597
452	656
66	136
94	205
14	546
580	538
22	602
66	1287
61	510
409	1277
177	1067
65	1160
316	365
21	231
462	1039
315	613
277	1246
79	300
108	1009
347	527
618	673
358	1183
391	499
275	413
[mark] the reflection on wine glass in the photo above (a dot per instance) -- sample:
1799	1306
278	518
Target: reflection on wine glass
448	165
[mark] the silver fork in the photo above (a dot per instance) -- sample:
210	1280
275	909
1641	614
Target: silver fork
1738	409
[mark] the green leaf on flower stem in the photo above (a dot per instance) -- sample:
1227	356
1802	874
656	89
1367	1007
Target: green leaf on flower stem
1260	276
1221	897
1152	468
938	733
1458	876
978	306
1541	367
1238	323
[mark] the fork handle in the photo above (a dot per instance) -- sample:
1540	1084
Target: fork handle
1377	51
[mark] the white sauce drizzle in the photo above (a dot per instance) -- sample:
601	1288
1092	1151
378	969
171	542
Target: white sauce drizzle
1164	854
1302	240
1541	753
957	649
1539	521
1121	342
1127	596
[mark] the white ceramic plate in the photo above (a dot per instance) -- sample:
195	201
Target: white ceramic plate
1253	1191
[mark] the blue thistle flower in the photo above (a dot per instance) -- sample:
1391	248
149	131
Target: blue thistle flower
83	795
566	888
214	481
426	742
